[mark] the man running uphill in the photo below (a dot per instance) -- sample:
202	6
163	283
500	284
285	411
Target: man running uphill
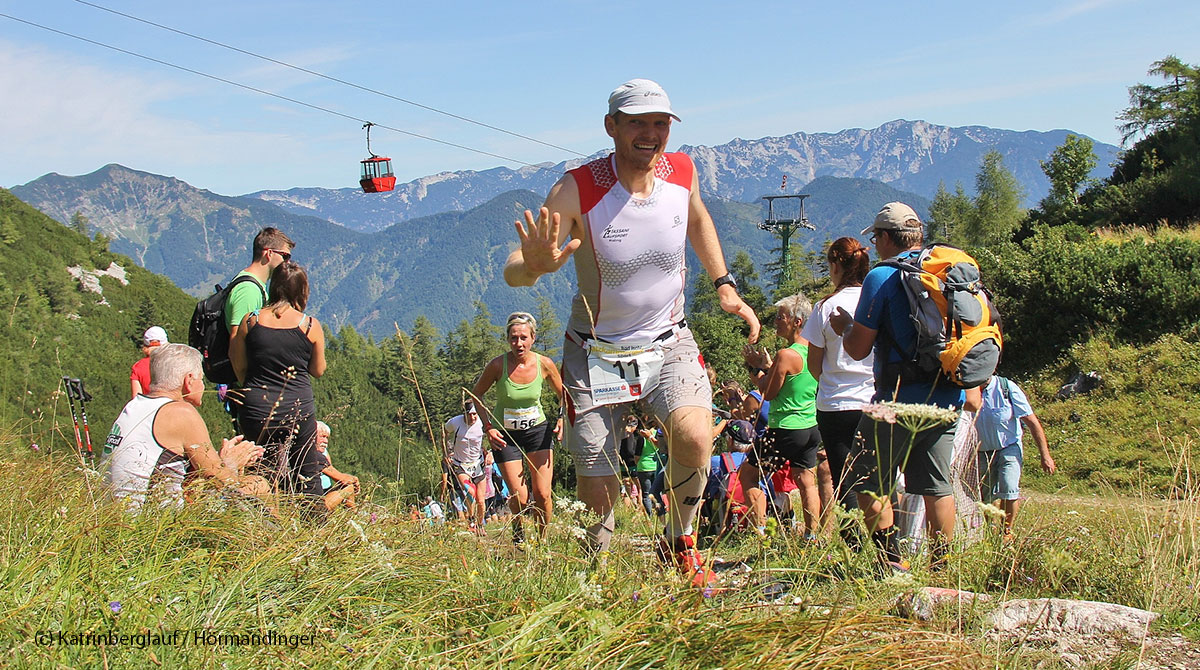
632	214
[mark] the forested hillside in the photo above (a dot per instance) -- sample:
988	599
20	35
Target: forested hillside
53	327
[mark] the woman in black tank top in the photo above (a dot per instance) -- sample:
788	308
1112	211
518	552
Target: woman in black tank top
275	354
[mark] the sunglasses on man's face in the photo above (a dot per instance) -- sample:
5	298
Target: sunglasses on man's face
285	255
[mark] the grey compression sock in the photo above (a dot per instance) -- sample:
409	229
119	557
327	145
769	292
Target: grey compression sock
599	534
685	491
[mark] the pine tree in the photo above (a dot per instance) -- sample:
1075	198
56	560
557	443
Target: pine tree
549	330
998	213
1155	108
949	215
79	223
149	315
467	349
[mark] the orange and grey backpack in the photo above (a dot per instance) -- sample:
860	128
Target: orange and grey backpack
958	327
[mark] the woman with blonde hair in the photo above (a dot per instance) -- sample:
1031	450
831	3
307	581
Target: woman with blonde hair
517	426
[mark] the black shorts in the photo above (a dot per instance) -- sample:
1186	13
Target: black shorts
290	461
797	446
838	431
520	442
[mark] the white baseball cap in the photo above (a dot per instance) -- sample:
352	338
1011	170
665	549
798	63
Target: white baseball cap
154	335
640	96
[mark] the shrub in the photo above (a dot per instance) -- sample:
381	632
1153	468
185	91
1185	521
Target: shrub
1065	284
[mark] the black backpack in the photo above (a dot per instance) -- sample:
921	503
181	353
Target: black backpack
209	334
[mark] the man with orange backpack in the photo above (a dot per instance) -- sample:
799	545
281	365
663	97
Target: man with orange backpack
888	321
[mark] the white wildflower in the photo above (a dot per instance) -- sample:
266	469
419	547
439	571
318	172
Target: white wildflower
900	579
588	588
990	511
355	525
911	416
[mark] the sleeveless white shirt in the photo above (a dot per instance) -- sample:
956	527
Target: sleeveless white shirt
467	448
630	266
135	462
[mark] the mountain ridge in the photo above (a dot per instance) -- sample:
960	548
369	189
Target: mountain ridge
434	265
910	156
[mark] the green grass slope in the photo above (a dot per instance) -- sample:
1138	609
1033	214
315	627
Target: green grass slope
374	589
1120	435
51	327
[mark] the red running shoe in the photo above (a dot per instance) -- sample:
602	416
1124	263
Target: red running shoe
683	553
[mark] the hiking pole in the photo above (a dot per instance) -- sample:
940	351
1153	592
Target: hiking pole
84	396
74	415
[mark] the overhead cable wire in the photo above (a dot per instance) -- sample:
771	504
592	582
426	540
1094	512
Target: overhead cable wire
269	93
328	77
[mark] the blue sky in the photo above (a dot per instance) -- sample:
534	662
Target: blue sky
543	69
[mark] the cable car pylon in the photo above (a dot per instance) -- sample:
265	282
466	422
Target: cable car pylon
785	228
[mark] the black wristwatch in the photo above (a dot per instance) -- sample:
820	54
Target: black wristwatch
727	279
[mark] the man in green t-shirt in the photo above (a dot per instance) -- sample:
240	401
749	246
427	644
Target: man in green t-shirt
271	249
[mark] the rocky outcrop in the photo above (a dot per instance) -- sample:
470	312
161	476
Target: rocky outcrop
1086	634
1082	617
89	280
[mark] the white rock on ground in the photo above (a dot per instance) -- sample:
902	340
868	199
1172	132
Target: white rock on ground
1083	617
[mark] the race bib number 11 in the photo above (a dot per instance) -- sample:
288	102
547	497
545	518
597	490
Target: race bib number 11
620	373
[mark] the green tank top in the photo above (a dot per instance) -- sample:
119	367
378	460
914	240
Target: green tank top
650	459
519	406
795	406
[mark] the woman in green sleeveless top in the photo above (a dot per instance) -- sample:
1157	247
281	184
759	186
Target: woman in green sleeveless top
516	425
792	434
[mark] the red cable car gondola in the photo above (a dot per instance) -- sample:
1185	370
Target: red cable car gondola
376	171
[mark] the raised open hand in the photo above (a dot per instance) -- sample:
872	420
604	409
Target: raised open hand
539	242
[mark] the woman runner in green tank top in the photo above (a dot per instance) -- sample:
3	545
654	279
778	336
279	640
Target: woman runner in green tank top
515	424
792	434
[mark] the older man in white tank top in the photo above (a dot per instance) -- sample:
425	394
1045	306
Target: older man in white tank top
159	436
630	215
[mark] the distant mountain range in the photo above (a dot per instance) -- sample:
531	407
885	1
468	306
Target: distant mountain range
435	265
434	245
193	236
907	155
